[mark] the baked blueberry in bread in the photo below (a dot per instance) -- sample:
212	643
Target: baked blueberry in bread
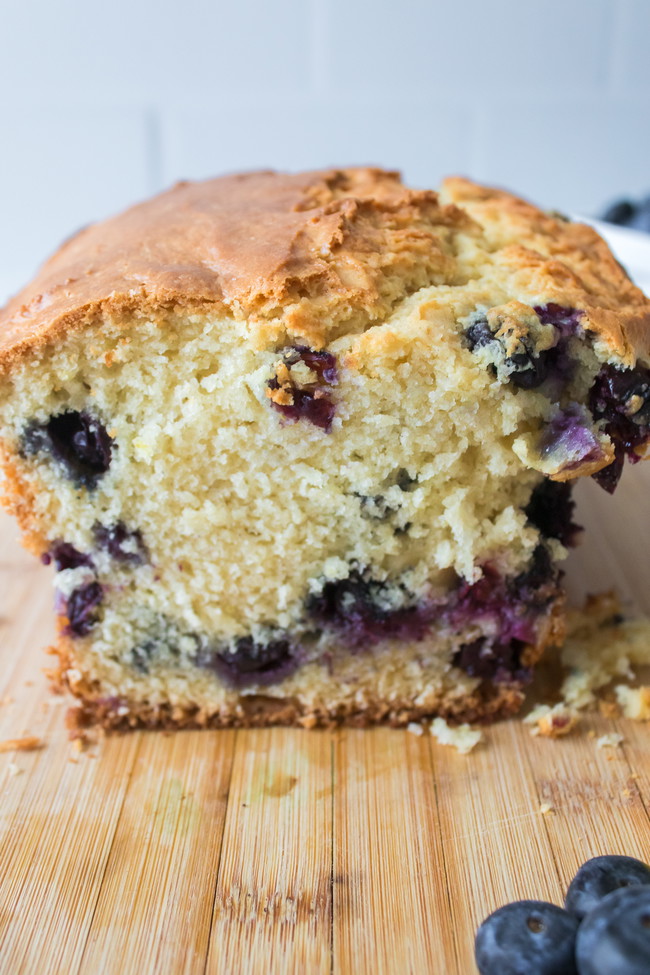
300	447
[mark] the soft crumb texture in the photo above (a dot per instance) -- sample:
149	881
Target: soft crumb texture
552	722
29	744
634	702
461	737
299	448
601	646
612	740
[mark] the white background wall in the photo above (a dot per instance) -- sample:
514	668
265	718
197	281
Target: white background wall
102	103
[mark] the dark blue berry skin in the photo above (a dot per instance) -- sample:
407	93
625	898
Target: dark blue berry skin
550	510
251	662
530	367
599	877
527	938
118	541
312	402
354	607
621	398
66	556
81	608
629	214
78	441
614	938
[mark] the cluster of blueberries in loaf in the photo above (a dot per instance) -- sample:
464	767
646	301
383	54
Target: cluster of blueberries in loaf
618	401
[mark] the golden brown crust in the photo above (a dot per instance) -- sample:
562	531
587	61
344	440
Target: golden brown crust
17	496
304	254
567	262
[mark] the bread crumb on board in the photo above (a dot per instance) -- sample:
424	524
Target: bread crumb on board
634	702
545	808
552	722
600	646
462	737
612	740
28	744
415	728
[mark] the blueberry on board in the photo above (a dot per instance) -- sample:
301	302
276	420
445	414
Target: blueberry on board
614	938
600	876
527	938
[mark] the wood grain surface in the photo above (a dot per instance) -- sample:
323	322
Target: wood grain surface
289	851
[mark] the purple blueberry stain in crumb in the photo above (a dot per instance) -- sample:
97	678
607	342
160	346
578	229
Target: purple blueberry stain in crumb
494	660
513	607
570	437
357	608
251	662
66	556
122	544
81	608
620	398
311	401
567	320
77	440
550	511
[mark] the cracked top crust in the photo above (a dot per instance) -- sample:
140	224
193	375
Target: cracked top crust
311	256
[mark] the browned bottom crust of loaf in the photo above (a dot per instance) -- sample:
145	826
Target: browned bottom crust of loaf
489	702
262	712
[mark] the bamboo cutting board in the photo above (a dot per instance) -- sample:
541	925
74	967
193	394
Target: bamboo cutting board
288	851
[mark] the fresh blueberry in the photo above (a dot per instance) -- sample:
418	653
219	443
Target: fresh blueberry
65	556
600	876
622	213
250	662
78	441
614	938
121	543
81	608
629	214
550	511
527	938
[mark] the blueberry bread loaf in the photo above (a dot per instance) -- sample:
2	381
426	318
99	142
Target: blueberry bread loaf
300	447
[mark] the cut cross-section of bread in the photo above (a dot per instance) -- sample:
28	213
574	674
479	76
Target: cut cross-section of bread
299	447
